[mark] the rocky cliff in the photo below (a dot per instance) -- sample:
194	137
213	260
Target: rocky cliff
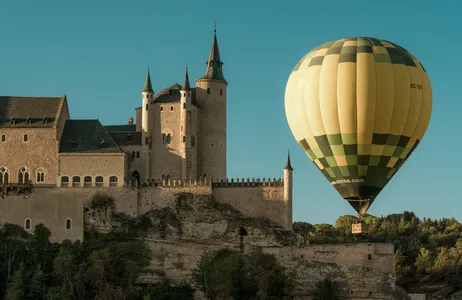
180	233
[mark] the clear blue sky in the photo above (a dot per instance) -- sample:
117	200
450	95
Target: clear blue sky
97	53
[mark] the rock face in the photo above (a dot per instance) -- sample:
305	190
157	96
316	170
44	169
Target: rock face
180	233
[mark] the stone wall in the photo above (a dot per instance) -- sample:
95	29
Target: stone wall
39	152
52	212
259	201
95	164
366	271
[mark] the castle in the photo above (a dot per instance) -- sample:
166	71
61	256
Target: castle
177	142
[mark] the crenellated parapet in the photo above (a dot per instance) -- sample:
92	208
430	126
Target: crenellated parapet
172	183
254	182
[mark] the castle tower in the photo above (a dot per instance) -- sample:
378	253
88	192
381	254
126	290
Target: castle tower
211	98
186	130
147	95
288	187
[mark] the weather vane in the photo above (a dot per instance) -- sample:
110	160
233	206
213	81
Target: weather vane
215	26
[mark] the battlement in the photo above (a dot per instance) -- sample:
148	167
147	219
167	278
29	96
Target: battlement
249	182
223	183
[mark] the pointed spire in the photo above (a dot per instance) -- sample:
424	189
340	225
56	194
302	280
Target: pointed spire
186	85
147	84
214	69
288	164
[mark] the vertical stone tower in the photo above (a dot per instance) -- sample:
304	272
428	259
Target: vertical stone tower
211	98
188	172
288	187
147	94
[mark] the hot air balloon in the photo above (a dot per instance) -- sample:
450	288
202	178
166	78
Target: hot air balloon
358	107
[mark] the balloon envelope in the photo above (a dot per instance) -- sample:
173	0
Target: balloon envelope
358	107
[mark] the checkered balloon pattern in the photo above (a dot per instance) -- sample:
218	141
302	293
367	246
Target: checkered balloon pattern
358	107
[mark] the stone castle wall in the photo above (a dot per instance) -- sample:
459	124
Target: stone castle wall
53	212
366	271
253	199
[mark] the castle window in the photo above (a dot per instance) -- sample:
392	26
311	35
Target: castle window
208	91
146	140
164	138
27	224
137	154
184	105
147	107
40	175
68	224
169	138
3	175
184	139
3	138
113	181
193	140
25	138
64	181
171	108
87	181
161	108
221	92
23	175
99	181
76	181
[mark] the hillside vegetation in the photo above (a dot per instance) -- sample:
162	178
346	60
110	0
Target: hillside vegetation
428	252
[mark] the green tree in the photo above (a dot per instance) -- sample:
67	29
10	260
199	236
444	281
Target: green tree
233	275
326	289
16	290
37	284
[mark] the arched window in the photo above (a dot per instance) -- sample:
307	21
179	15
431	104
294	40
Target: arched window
25	138
23	175
221	92
169	138
87	181
3	138
64	181
3	175
68	224
171	108
40	176
113	181
137	154
99	181
161	108
208	91
27	224
76	181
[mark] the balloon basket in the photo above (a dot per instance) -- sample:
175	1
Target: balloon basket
358	228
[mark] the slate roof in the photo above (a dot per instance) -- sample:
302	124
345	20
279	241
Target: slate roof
147	84
214	69
86	136
126	138
20	112
125	127
172	94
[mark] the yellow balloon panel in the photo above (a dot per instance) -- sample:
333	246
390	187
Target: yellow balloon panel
358	107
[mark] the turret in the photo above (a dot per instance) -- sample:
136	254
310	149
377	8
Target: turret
211	98
147	95
288	187
186	128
